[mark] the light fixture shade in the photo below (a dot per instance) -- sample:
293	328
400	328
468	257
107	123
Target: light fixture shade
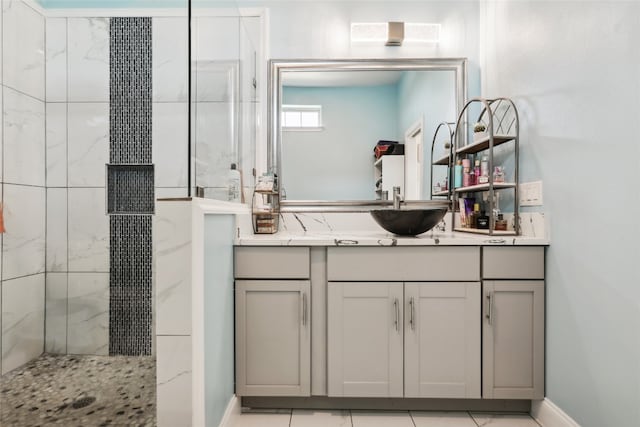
421	33
368	32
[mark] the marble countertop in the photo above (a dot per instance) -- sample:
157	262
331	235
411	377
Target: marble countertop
385	239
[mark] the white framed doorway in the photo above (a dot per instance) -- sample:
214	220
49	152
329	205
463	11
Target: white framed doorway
413	160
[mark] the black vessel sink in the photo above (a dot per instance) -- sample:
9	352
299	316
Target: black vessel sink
410	219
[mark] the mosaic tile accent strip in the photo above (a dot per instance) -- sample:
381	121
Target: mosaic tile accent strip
130	189
130	297
130	90
80	391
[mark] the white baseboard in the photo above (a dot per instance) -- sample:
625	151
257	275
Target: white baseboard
547	414
230	414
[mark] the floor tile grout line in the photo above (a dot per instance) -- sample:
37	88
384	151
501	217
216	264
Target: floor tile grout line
473	419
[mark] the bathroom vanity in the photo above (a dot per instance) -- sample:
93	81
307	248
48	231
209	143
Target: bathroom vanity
449	318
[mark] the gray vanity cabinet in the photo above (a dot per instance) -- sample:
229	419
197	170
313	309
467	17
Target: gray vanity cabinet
273	338
364	348
415	336
513	323
273	321
442	340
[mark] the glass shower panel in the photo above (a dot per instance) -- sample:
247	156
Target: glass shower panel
215	99
250	38
224	100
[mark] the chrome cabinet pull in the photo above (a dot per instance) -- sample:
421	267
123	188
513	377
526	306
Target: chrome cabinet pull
489	309
397	312
304	309
411	314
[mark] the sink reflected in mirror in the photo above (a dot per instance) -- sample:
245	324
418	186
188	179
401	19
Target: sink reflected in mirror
413	217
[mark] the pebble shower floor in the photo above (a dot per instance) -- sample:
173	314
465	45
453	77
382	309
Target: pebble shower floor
82	391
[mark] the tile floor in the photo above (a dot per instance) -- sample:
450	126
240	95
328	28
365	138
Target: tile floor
84	391
321	418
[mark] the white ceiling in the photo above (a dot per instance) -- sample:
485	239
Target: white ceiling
340	78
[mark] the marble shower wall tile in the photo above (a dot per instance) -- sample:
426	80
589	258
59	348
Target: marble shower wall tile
23	248
22	320
24	139
1	125
88	313
1	65
56	143
56	313
170	125
173	377
217	38
56	241
23	61
172	241
88	141
88	59
56	36
170	192
217	80
170	66
214	149
88	230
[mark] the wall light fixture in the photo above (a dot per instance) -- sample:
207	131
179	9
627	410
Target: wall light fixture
394	33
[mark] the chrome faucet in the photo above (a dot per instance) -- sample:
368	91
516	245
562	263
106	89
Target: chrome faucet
396	198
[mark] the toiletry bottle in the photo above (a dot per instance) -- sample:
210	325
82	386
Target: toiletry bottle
233	184
457	179
476	173
484	166
466	172
475	215
483	221
466	178
501	223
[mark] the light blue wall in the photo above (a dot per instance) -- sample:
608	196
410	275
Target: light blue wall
218	294
573	69
337	162
428	96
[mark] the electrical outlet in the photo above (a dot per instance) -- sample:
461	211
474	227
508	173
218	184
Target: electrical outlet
531	193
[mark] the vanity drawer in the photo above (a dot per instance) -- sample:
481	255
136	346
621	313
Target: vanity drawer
416	263
514	262
267	262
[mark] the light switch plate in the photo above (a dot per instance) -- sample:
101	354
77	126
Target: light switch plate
531	193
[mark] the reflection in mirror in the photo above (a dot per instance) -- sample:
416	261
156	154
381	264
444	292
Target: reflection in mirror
327	118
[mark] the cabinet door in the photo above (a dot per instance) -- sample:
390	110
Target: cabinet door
513	339
273	338
442	340
364	339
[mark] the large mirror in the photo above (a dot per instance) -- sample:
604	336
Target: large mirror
326	117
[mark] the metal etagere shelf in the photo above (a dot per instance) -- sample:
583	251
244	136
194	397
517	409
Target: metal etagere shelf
500	117
444	134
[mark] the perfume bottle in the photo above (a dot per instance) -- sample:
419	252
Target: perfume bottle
457	178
